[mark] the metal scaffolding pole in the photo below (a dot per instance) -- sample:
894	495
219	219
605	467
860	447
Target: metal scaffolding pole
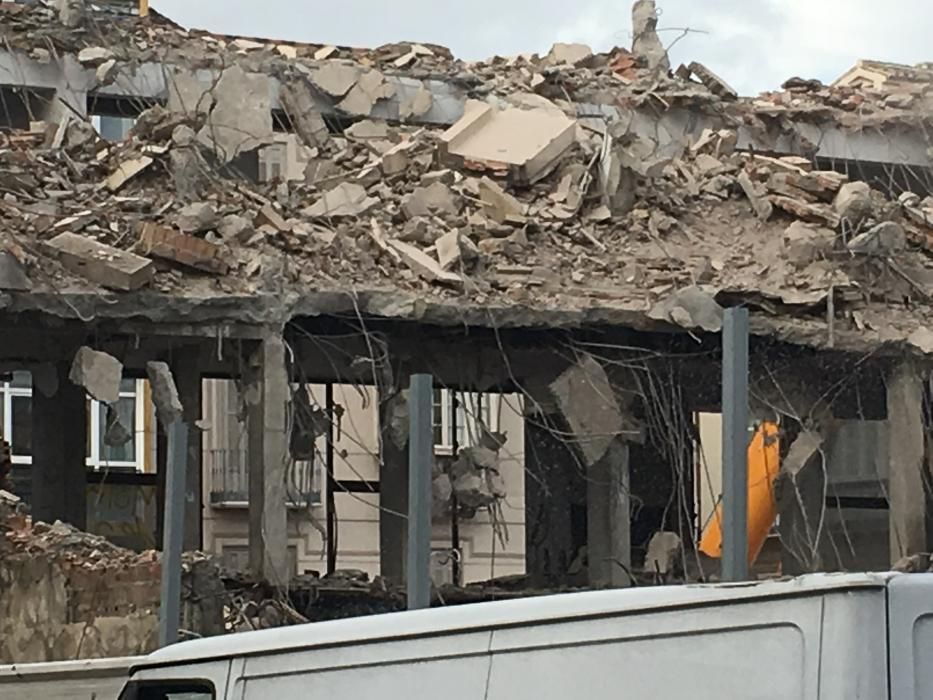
420	457
735	445
173	533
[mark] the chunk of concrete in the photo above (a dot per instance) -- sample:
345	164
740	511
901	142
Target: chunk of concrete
197	217
664	552
417	104
433	199
646	45
346	199
106	72
525	144
335	78
304	114
94	56
126	171
369	89
448	249
586	399
498	204
12	276
885	238
367	130
804	243
713	82
423	264
235	227
568	54
689	308
107	266
186	250
99	373
853	203
756	195
164	392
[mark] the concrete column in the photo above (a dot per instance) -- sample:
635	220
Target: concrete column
187	374
906	492
59	447
267	397
608	520
393	483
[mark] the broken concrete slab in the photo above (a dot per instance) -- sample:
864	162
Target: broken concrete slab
433	199
99	373
690	308
498	204
196	217
126	171
12	276
107	266
885	238
164	393
396	160
448	249
367	130
805	244
268	216
304	114
569	54
417	104
424	264
585	397
368	90
193	252
94	56
713	82
336	77
524	144
346	199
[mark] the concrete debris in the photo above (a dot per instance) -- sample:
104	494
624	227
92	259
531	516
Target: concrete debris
367	130
522	144
665	550
98	373
196	253
922	339
805	244
498	204
806	444
231	130
94	56
126	171
197	217
716	85
304	114
368	90
433	199
336	78
235	227
100	263
690	308
12	276
587	400
424	264
570	54
106	72
760	202
346	199
417	104
885	238
853	203
646	45
164	392
475	477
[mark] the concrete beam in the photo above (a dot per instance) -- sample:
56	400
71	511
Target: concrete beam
59	448
267	397
906	487
187	371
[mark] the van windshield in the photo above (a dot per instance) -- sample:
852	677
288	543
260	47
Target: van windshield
167	690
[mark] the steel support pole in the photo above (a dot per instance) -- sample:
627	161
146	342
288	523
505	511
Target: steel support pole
173	533
735	445
420	457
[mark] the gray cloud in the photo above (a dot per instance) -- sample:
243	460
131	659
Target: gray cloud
753	44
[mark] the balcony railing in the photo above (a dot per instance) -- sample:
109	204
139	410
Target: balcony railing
229	470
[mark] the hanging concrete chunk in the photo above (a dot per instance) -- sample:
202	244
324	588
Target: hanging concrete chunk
164	392
304	114
689	308
335	78
94	56
99	373
586	399
107	266
521	143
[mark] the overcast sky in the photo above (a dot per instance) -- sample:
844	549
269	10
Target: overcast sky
753	44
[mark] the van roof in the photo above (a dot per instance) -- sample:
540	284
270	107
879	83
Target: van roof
480	616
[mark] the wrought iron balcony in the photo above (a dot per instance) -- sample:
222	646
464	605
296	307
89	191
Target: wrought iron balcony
229	472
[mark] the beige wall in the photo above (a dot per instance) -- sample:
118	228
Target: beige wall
358	514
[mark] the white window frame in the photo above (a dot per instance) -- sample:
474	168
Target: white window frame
93	461
490	404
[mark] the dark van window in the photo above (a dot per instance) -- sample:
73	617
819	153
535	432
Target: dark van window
168	690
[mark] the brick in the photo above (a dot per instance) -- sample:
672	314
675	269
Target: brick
178	247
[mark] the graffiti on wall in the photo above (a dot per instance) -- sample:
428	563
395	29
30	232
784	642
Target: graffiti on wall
123	513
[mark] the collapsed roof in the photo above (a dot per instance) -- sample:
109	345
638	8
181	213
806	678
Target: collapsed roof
555	190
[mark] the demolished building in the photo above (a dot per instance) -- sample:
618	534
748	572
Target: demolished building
567	228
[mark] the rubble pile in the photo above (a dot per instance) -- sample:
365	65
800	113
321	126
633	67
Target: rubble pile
553	189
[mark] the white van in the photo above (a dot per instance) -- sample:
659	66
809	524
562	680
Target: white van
828	636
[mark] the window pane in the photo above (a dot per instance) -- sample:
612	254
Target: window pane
127	386
126	411
21	419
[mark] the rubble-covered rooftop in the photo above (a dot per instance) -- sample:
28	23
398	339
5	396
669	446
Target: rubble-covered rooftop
561	189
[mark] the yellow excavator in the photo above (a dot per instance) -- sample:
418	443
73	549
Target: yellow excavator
764	462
